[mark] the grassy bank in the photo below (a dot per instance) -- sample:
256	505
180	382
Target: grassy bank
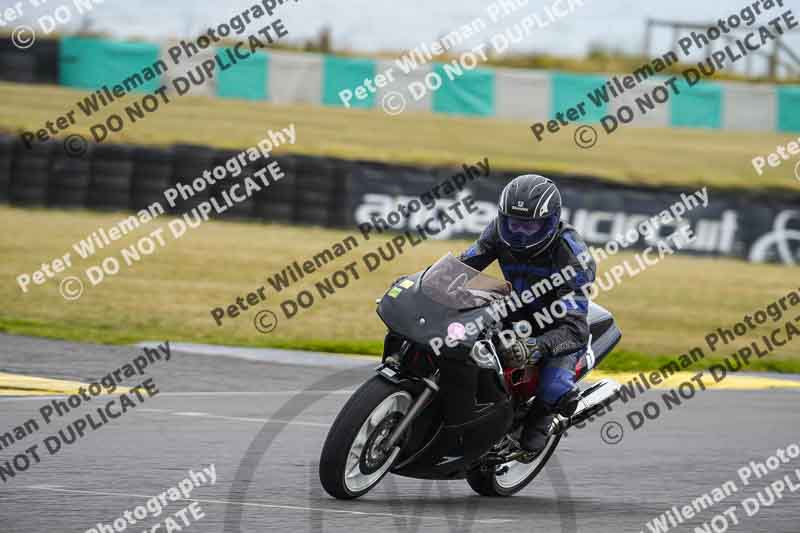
631	155
664	312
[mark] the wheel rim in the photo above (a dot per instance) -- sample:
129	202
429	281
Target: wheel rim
518	472
355	479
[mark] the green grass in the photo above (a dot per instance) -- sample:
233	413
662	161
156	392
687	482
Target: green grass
664	312
619	360
686	158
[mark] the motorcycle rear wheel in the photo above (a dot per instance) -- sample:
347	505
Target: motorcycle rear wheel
518	476
352	461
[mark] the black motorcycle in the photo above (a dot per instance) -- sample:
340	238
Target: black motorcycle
394	421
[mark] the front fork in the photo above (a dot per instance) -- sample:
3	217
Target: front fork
431	388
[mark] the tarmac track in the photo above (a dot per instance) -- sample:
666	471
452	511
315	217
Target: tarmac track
262	424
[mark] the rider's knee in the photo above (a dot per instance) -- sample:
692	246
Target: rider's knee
551	393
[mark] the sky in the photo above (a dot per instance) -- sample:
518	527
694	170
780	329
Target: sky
379	25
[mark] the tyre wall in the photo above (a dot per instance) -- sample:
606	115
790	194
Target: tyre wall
337	193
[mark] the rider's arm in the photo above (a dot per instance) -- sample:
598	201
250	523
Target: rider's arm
483	251
571	332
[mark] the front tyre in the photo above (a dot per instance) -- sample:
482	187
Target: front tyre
352	460
515	475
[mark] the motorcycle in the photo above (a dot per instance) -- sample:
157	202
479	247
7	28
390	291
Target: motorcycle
395	421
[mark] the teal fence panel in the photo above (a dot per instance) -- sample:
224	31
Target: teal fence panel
89	63
246	80
344	73
698	106
788	108
462	91
569	90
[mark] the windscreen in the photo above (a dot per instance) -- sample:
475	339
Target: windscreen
451	283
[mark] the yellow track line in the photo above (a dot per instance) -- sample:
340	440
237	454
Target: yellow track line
730	382
20	385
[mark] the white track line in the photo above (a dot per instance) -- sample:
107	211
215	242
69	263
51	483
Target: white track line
189	394
56	488
263	393
195	414
248	419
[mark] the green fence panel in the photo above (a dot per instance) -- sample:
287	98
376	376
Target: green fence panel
344	73
789	108
246	80
569	90
698	106
462	91
89	63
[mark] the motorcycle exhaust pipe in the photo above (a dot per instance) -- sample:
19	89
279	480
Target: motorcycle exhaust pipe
593	400
430	389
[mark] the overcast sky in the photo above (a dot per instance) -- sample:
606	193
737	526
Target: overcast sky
372	25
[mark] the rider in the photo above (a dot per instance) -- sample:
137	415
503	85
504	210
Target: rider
532	244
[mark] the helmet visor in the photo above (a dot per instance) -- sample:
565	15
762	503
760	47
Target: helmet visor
524	233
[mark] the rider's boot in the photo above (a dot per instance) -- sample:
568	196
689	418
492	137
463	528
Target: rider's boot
540	419
537	427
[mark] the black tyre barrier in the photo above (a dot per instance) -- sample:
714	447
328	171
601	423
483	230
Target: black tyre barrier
285	189
30	171
69	180
276	203
46	52
314	186
313	215
111	175
6	157
330	192
315	174
362	172
243	209
18	67
340	215
190	162
152	174
40	63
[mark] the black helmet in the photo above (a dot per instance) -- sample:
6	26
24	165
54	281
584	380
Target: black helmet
528	213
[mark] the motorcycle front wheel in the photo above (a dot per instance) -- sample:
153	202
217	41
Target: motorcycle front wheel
353	460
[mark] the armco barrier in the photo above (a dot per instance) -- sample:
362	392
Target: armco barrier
329	192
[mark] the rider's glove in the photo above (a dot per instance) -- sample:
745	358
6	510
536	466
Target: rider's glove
515	355
534	350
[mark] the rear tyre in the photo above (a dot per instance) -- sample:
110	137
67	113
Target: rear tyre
352	460
516	478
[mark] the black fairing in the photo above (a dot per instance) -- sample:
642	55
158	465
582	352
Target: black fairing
402	314
425	454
